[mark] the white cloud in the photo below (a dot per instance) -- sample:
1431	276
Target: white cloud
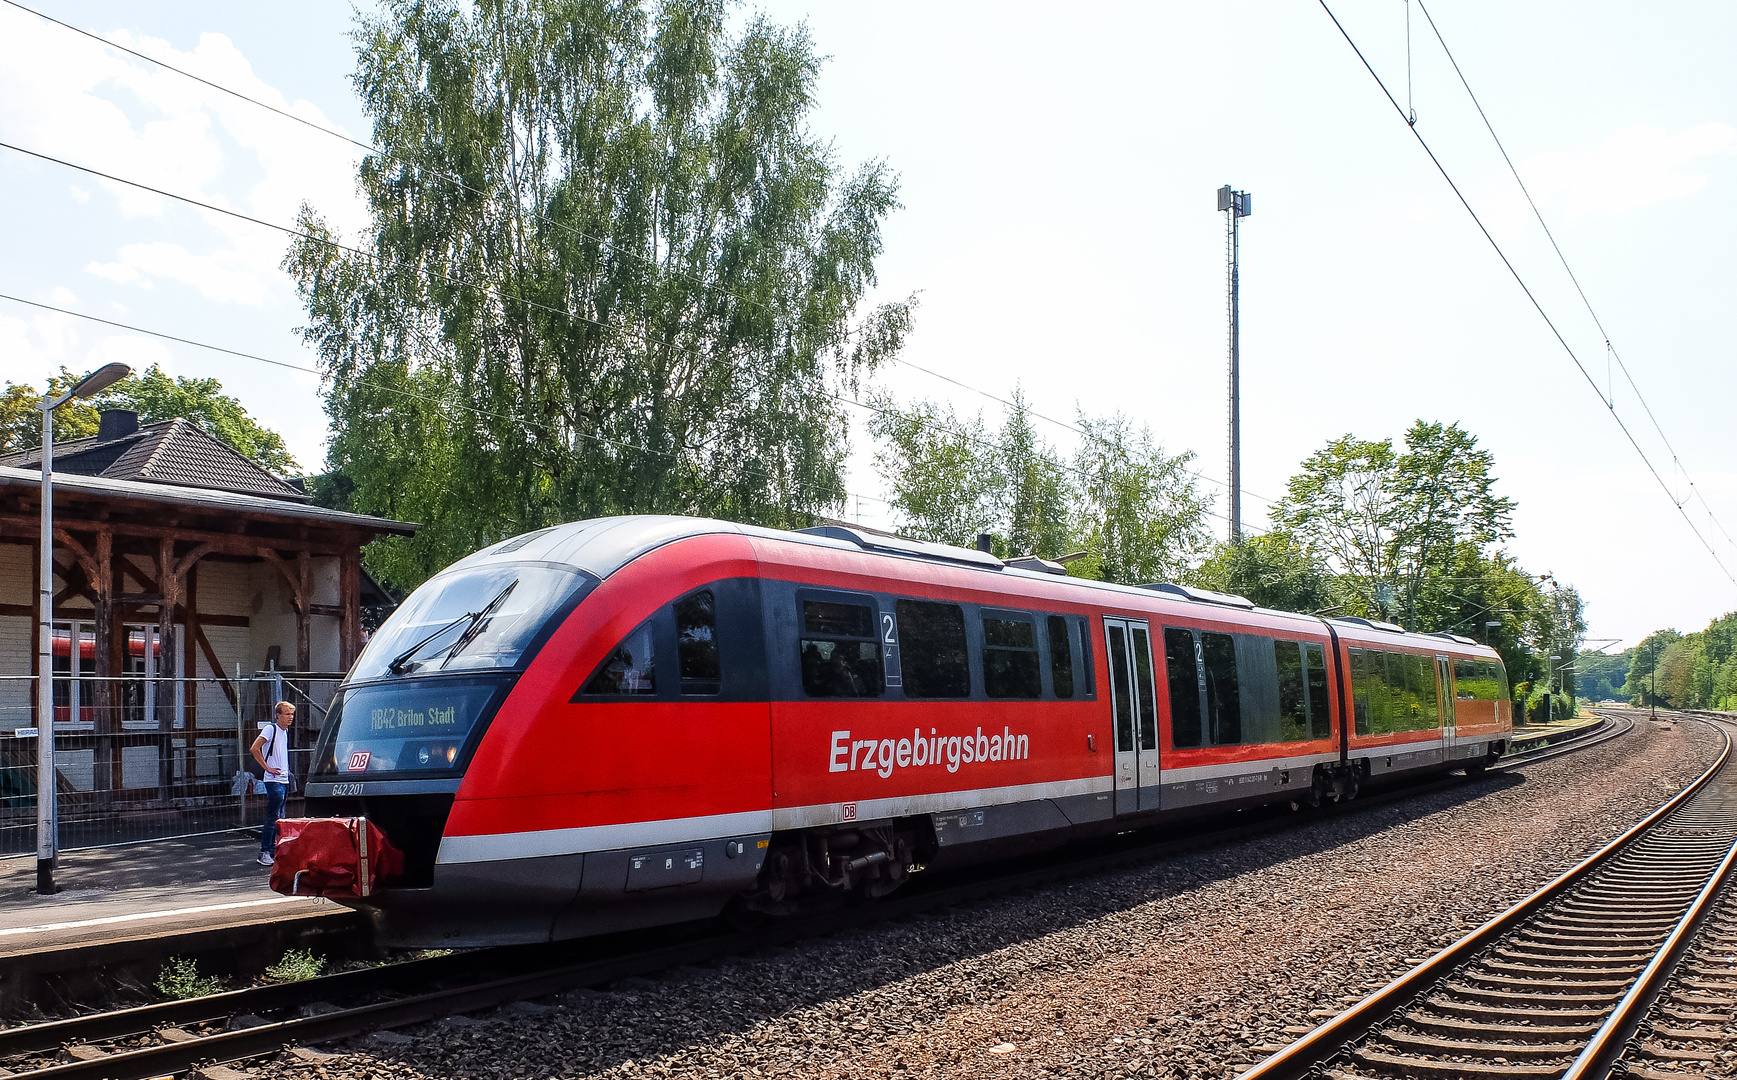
136	352
123	273
222	276
73	98
79	195
1636	167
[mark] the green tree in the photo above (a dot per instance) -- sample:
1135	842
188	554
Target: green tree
1136	511
1274	571
942	471
609	270
1602	676
1141	512
1641	668
21	418
1676	672
1036	491
155	396
1389	522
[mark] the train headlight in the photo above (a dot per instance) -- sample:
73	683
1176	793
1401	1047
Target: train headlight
451	754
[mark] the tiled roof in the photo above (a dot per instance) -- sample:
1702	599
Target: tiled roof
174	497
167	452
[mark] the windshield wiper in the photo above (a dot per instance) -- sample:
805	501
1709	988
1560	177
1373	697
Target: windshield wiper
477	623
398	665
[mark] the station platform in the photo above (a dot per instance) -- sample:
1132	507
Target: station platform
132	907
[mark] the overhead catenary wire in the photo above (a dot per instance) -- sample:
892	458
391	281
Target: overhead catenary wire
460	182
1609	347
520	422
451	279
1521	281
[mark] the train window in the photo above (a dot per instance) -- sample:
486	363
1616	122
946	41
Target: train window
1400	692
1184	677
841	653
1428	714
1411	692
1315	664
1466	680
629	668
1086	666
1479	688
1381	671
1143	691
1223	700
1360	689
1061	660
1119	680
932	650
1010	665
1293	691
696	620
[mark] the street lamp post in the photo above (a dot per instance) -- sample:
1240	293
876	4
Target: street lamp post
1487	626
47	838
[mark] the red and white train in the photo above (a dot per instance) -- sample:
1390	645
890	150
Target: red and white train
629	721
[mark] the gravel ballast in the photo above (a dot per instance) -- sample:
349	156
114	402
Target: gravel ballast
1193	966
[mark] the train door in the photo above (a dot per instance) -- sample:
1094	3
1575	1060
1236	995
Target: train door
1135	710
1444	677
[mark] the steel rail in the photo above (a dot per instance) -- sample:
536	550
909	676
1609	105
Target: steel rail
1308	1056
1612	1037
254	1041
1582	740
140	1019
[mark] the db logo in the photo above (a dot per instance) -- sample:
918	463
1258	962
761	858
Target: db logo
850	811
359	761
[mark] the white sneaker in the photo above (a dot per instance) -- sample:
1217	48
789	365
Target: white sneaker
265	858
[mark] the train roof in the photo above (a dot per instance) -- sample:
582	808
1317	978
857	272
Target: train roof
601	546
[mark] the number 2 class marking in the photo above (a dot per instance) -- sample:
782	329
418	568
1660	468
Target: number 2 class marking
887	625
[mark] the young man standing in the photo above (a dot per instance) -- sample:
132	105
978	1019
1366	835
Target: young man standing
271	750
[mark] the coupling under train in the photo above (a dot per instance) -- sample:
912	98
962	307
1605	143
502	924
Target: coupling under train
629	721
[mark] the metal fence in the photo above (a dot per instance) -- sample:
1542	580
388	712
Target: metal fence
143	758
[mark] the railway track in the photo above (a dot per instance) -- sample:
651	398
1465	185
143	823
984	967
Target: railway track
1559	985
173	1037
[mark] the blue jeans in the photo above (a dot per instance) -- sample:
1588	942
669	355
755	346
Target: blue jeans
274	798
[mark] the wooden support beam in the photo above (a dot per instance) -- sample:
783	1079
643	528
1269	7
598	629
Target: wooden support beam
169	583
106	632
197	632
349	608
304	600
190	663
227	543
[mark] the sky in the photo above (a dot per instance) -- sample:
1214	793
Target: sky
1057	176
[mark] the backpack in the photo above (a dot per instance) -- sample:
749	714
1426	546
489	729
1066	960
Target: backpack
254	768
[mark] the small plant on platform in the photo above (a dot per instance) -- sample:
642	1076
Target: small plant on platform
296	965
180	978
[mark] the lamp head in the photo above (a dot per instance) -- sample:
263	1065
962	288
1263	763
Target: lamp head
99	380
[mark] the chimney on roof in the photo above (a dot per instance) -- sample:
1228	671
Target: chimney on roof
117	424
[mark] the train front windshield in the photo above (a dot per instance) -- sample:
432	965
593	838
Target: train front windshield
436	670
468	620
